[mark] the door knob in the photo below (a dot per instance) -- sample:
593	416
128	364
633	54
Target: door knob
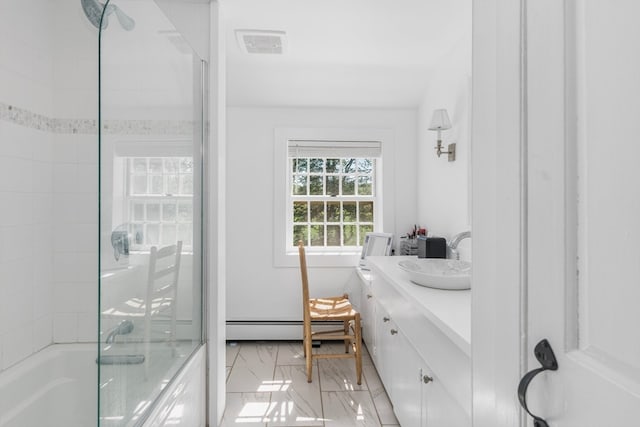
547	359
369	296
393	332
427	379
385	319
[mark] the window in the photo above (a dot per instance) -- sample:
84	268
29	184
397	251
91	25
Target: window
331	200
332	197
159	200
328	191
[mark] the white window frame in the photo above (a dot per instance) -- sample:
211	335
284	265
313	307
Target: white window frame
285	254
122	151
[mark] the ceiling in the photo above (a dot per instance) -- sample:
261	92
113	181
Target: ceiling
341	53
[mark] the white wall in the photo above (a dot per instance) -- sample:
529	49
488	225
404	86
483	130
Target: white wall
256	290
443	187
27	57
497	290
75	238
215	267
25	179
48	156
25	242
75	175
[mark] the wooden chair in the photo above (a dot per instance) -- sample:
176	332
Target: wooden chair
331	309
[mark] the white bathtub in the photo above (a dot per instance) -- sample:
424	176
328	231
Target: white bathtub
55	387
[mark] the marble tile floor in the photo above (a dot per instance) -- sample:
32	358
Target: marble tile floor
267	386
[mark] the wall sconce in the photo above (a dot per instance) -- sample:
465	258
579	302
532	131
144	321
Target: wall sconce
440	121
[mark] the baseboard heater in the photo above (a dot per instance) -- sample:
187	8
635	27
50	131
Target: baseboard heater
270	329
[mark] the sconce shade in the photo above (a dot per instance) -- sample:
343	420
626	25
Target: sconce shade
440	120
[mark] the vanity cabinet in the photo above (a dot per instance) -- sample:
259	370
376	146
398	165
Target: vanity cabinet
405	382
367	311
385	340
438	407
420	346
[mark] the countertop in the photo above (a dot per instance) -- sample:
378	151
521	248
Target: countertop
448	310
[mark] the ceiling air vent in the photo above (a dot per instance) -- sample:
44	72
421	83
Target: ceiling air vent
262	41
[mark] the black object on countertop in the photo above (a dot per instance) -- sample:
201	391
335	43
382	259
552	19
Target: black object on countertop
432	247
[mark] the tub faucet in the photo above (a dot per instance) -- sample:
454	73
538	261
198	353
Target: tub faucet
455	241
123	328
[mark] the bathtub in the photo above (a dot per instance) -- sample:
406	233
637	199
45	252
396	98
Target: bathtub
55	387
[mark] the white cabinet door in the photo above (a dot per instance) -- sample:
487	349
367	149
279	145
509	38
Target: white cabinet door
367	303
439	409
407	393
583	209
386	342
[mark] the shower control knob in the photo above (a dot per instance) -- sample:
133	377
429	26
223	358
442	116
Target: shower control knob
385	319
369	296
427	379
393	332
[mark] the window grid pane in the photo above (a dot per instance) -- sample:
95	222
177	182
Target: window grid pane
160	201
161	176
345	211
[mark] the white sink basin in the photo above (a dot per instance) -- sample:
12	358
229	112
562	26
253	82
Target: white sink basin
438	273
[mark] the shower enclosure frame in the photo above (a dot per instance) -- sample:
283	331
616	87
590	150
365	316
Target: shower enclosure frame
201	229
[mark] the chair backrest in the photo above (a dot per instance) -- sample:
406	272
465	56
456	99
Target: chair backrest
164	269
305	281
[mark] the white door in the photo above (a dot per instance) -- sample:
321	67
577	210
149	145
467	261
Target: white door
583	250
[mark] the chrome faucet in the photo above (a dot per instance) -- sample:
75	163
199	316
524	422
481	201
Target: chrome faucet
455	241
123	328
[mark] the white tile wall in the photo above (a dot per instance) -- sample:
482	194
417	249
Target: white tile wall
26	243
49	177
75	225
48	181
75	67
65	327
25	181
18	344
26	63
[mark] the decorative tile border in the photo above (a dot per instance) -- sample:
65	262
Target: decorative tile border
37	121
148	127
24	117
84	126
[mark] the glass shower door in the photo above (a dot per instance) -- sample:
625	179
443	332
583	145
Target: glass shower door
151	133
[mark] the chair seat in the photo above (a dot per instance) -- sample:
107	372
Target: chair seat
331	308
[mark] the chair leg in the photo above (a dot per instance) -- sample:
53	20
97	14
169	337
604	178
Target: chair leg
307	349
346	332
358	355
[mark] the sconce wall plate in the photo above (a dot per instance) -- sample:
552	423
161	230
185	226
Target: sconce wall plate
451	148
